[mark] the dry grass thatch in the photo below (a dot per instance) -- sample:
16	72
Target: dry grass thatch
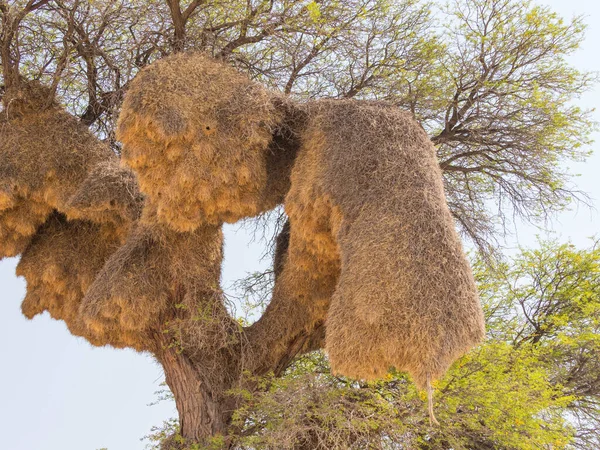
19	222
50	162
372	247
307	268
27	97
45	155
60	264
200	137
110	194
367	193
161	281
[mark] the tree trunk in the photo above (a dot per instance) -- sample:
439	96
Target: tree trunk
201	411
203	405
201	398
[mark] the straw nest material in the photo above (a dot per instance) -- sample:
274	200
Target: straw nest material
367	202
18	223
160	280
27	97
59	265
110	194
45	155
199	135
307	267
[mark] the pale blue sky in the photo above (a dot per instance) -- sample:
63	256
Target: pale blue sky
59	393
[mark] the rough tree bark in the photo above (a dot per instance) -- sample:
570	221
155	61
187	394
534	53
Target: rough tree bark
202	411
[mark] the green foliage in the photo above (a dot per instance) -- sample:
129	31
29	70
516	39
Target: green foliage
504	119
534	383
548	300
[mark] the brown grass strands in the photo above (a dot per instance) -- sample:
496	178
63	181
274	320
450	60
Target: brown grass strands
162	281
45	154
367	203
60	264
198	135
110	194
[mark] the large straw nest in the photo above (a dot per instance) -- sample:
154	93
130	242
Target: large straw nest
199	136
156	280
45	154
109	194
59	265
367	191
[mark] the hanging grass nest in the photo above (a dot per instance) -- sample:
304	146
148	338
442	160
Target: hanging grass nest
208	145
367	211
45	155
109	195
60	264
158	281
65	205
370	248
18	224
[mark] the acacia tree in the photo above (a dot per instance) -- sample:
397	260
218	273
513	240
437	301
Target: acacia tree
490	86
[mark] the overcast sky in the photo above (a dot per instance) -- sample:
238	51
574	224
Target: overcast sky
59	393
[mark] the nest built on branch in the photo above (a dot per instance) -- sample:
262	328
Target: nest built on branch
65	205
370	251
208	146
367	193
200	137
60	264
109	194
45	155
161	280
369	265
